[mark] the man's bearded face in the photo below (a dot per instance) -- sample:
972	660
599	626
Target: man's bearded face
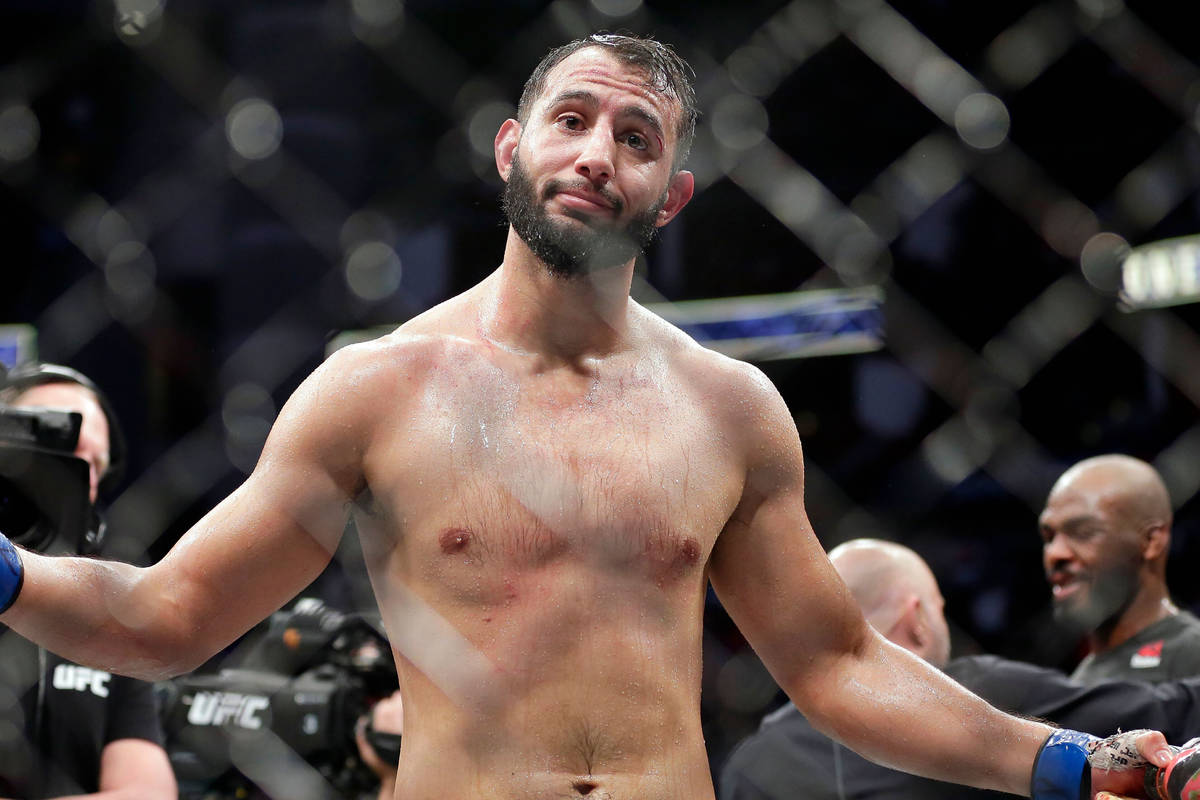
569	250
1102	595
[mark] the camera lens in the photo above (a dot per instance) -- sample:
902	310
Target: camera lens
20	519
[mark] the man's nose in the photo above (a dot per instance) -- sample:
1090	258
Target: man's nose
595	161
1056	550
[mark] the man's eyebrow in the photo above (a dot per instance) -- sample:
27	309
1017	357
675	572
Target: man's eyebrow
1078	521
646	117
581	95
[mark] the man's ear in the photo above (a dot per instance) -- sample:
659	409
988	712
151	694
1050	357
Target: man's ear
905	630
679	192
507	139
1156	541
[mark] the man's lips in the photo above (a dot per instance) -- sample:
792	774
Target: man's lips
580	201
1063	591
1064	586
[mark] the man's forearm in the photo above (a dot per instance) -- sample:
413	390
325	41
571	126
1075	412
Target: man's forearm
893	708
93	612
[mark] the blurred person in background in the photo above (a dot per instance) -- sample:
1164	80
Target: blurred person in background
540	541
387	718
1106	534
66	729
900	597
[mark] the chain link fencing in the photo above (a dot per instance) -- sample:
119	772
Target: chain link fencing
199	197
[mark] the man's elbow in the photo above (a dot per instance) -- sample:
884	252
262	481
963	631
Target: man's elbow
156	659
193	620
161	641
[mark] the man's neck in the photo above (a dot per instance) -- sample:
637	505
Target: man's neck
1148	607
559	318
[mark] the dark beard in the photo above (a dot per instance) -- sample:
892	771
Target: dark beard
1108	597
567	251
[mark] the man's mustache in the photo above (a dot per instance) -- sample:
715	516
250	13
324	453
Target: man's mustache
555	186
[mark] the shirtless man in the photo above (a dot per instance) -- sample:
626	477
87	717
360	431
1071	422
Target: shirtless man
545	477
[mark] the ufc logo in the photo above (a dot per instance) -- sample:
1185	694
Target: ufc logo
81	679
228	708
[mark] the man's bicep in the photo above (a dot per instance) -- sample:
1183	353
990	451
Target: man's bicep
767	566
778	586
769	569
273	535
246	558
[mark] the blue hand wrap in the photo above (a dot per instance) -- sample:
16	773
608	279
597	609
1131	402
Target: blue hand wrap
12	573
1061	771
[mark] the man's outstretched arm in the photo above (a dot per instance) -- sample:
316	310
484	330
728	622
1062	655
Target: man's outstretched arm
777	584
243	560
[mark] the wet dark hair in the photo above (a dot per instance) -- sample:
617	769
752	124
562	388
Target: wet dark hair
24	377
665	70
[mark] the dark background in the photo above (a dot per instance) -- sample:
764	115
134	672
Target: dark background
159	241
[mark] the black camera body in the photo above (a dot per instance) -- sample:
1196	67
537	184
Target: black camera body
44	504
281	723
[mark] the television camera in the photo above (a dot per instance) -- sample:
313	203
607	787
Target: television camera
282	722
44	487
44	502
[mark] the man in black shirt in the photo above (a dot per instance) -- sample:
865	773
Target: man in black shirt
787	759
1106	532
65	729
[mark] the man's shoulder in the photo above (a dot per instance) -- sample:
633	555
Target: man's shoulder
784	730
1188	623
989	663
1168	649
785	753
786	723
343	400
1014	685
735	381
407	353
1179	630
785	714
1181	641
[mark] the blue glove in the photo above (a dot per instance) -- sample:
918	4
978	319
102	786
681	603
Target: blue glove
1061	770
12	573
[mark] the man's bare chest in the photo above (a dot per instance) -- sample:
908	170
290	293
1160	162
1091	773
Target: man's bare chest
642	481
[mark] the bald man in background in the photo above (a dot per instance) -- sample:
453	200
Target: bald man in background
900	598
1106	534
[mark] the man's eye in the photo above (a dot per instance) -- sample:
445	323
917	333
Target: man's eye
1081	534
636	141
571	123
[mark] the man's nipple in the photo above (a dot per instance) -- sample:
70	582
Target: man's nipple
454	540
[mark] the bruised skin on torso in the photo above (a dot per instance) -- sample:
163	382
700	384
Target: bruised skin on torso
561	523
